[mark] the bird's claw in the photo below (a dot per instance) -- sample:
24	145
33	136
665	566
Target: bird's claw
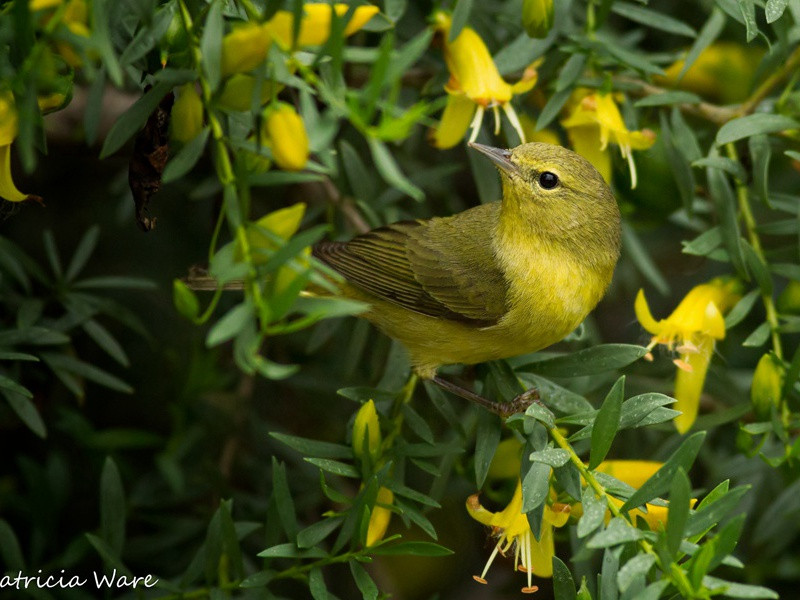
518	405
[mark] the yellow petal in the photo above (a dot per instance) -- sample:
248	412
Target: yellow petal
315	28
644	316
585	140
287	136
542	552
238	92
477	512
244	48
380	516
689	385
471	66
186	120
632	472
35	5
8	191
367	429
455	121
507	460
8	119
713	322
283	222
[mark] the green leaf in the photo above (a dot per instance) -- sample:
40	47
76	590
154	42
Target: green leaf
774	9
391	173
606	424
411	549
553	457
10	549
707	515
726	540
759	336
535	486
106	341
211	45
541	414
563	584
460	18
24	408
367	587
282	496
725	206
310	447
102	38
723	163
635	568
710	31
487	436
635	249
554	396
70	364
679	493
316	584
754	124
335	467
187	158
748	10
608	574
738	590
82	253
291	551
741	309
651	18
316	532
185	300
594	513
703	244
230	325
660	481
758	268
619	531
112	507
668	98
133	119
760	152
570	72
591	361
552	108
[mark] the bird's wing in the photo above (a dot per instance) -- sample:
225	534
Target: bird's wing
442	268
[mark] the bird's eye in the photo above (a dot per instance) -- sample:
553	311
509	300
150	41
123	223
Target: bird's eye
548	180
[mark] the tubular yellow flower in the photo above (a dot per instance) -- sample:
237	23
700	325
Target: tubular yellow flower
512	530
287	137
691	330
8	131
380	516
537	17
475	85
367	430
315	28
244	48
594	122
238	92
765	391
186	120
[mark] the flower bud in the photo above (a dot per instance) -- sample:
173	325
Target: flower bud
789	300
765	391
537	17
287	136
238	92
367	432
244	48
187	114
380	516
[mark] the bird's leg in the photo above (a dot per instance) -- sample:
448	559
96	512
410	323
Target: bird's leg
503	409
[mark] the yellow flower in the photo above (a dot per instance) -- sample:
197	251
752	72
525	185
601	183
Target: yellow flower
723	72
537	17
594	122
380	516
238	92
315	28
283	224
286	133
367	426
475	85
691	330
244	48
8	131
765	391
186	120
512	530
635	473
76	18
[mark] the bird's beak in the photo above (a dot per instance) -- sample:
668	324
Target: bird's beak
499	156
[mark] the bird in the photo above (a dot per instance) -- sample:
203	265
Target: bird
497	280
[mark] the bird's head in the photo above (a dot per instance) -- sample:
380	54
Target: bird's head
557	195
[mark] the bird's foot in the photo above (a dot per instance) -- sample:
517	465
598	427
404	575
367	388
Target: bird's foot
502	409
518	405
